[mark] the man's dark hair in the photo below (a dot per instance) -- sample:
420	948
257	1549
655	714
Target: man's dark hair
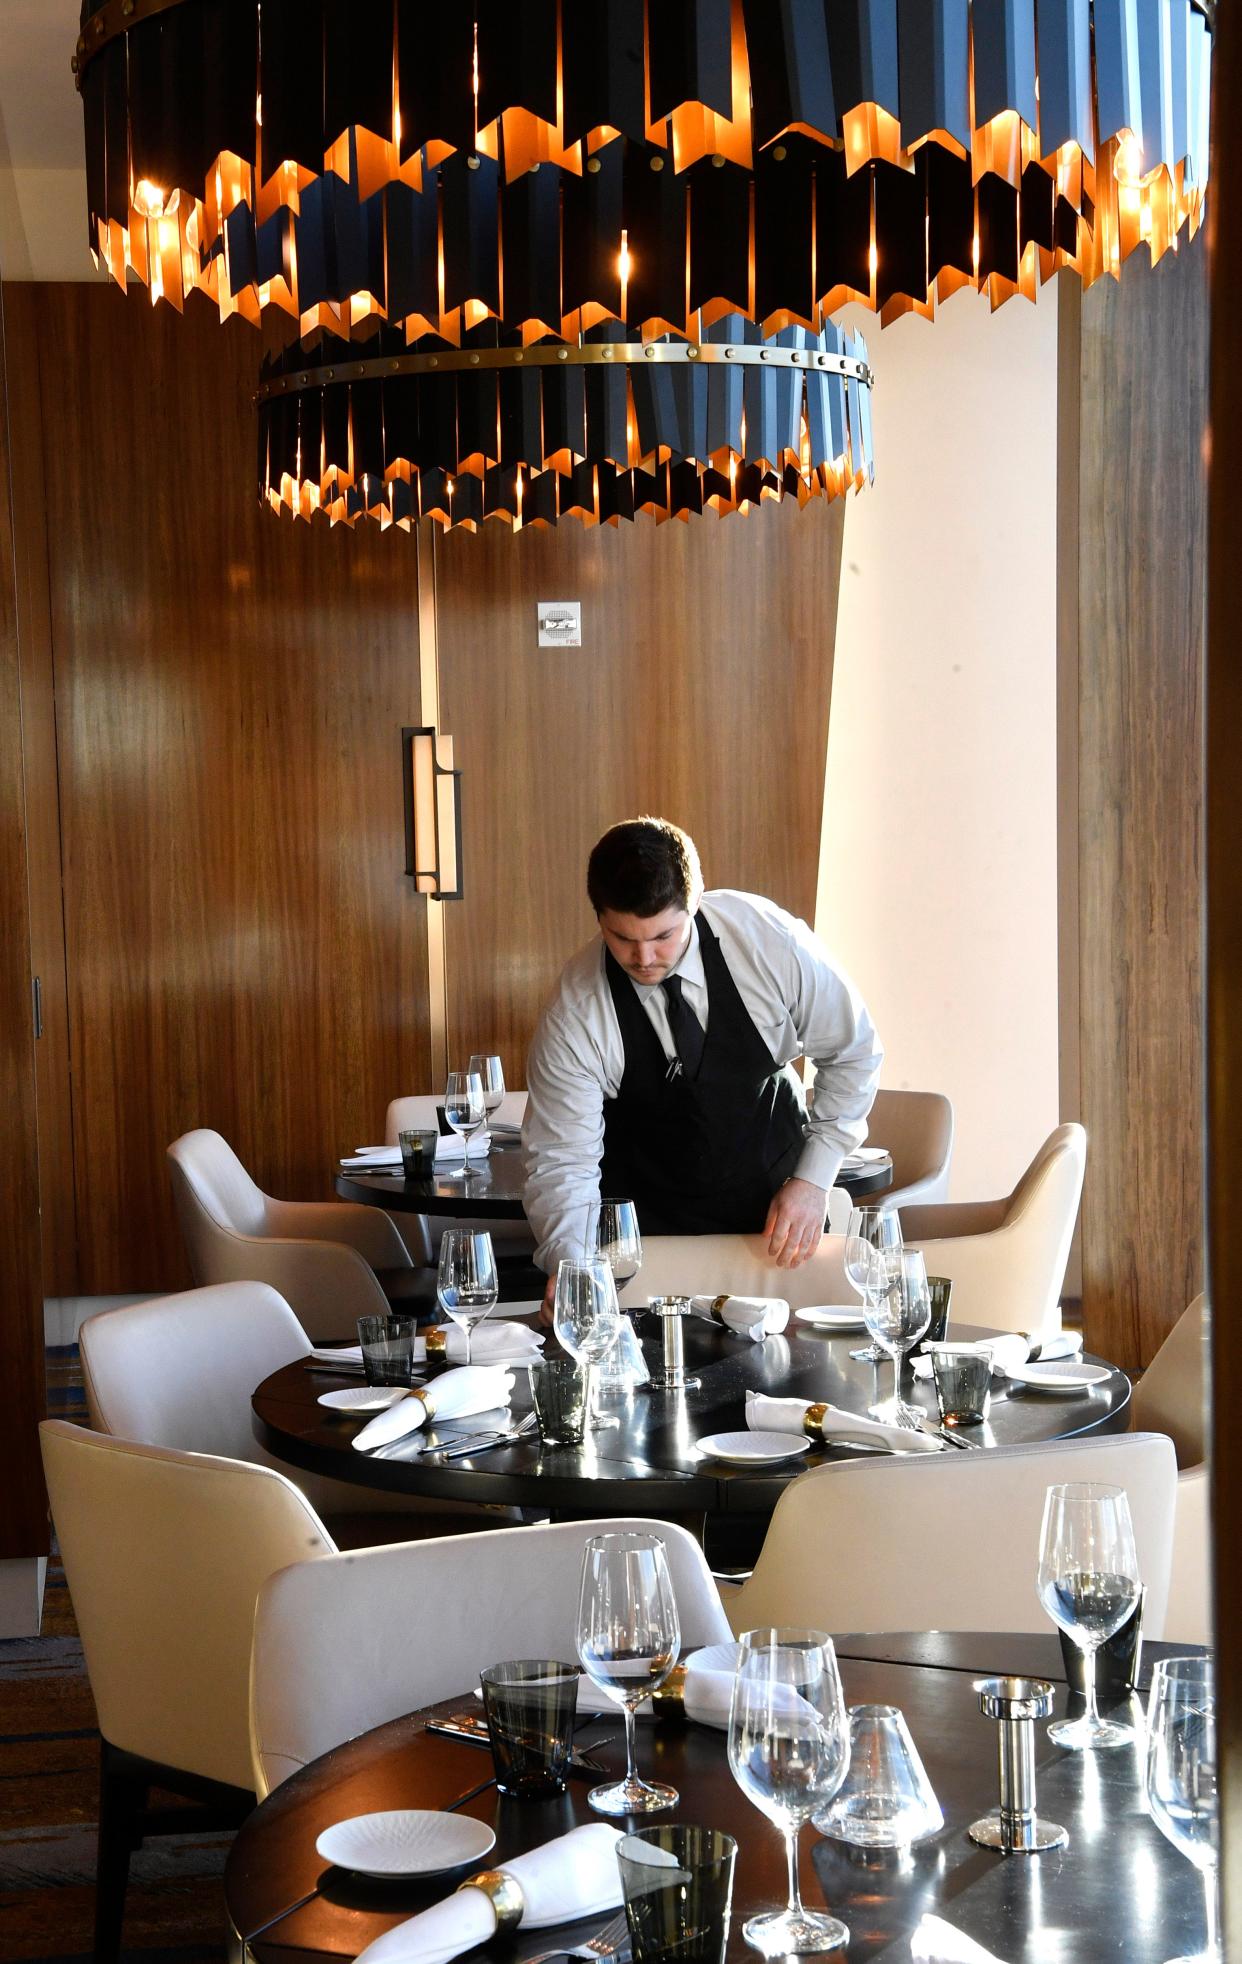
643	866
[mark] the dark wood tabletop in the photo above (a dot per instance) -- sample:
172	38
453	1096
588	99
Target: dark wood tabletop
649	1464
1117	1891
494	1191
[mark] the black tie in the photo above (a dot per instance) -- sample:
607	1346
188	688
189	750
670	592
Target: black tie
687	1031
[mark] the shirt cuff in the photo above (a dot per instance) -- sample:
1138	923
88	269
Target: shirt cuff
820	1163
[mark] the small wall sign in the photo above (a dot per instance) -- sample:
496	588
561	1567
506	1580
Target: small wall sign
560	623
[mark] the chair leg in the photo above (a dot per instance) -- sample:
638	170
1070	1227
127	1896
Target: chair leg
123	1787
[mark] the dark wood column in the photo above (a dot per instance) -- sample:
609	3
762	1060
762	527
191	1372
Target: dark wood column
23	1503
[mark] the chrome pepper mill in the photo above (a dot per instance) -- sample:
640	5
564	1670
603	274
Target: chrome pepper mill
1014	1827
672	1312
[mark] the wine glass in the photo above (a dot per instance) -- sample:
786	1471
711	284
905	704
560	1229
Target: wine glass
466	1284
1180	1777
491	1073
618	1240
628	1639
897	1321
872	1261
1088	1582
587	1319
465	1111
789	1751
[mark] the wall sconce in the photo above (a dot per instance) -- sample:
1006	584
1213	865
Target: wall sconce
432	813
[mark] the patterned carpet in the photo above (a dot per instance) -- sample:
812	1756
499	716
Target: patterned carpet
49	1756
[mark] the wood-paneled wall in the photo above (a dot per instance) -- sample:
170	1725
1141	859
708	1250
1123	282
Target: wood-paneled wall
242	947
23	1502
700	692
1134	490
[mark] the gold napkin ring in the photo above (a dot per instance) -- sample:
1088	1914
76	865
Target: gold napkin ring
813	1421
718	1303
416	1391
504	1893
437	1341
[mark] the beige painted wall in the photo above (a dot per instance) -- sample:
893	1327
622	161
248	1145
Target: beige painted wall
938	873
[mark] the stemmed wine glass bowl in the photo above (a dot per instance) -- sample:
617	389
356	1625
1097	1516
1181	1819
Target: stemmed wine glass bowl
465	1111
467	1287
789	1751
897	1320
629	1635
1180	1775
491	1074
617	1240
587	1319
872	1262
1088	1581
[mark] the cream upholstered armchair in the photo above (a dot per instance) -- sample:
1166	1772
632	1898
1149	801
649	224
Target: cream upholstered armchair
1172	1397
1006	1258
332	1261
512	1240
389	1629
917	1129
164	1554
944	1542
178	1371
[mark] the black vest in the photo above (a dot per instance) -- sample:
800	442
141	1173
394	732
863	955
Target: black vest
700	1155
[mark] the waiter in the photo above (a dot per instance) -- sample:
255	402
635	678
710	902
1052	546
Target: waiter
660	1069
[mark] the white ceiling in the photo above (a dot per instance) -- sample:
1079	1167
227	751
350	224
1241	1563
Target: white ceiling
42	179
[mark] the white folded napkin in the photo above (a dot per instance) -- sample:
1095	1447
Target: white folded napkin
491	1341
346	1357
839	1427
387	1159
1066	1343
708	1688
458	1394
455	1147
1005	1351
503	1129
568	1879
933	1941
755	1317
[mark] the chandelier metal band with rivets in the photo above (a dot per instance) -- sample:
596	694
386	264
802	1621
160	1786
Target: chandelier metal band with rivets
555	163
527	435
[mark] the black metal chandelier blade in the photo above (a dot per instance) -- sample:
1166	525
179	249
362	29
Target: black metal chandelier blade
528	435
554	162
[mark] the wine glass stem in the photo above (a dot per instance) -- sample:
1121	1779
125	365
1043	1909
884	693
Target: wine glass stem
791	1858
896	1377
1212	1947
631	1770
468	1336
1091	1717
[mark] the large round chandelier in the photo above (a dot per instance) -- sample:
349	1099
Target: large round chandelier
555	164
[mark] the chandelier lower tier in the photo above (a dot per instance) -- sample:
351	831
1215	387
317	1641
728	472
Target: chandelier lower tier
528	435
555	163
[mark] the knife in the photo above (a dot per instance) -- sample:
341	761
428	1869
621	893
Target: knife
471	1728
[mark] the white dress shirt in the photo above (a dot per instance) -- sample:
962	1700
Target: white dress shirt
799	1001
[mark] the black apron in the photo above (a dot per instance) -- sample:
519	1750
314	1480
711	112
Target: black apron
700	1155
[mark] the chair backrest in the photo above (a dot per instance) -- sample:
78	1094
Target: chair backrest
1189	1617
420	1110
179	1370
1171	1395
213	1193
388	1629
948	1542
710	1264
1007	1262
164	1554
917	1128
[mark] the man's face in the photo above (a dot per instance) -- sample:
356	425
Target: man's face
648	947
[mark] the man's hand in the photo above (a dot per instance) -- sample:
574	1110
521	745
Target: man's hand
795	1222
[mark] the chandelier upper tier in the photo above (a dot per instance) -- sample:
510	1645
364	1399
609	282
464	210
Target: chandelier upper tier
554	164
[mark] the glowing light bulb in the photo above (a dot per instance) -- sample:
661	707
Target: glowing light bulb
873	259
149	199
1128	160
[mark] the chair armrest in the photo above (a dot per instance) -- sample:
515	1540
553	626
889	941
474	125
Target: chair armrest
954	1218
326	1284
367	1230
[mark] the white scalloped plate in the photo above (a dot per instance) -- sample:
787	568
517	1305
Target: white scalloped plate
1059	1377
362	1398
832	1316
406	1841
752	1448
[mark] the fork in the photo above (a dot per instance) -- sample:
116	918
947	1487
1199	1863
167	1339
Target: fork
605	1943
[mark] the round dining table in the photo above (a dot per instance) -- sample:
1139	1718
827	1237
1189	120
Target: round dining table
1116	1890
495	1186
650	1462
